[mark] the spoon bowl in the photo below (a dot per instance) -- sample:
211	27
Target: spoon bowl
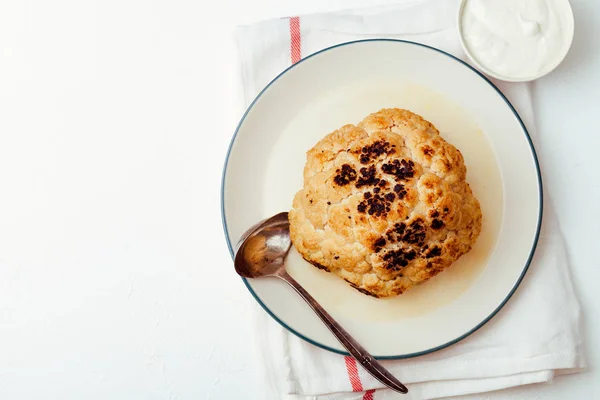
263	248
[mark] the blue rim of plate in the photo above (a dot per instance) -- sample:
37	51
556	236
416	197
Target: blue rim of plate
531	252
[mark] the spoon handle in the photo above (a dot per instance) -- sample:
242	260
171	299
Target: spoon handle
354	348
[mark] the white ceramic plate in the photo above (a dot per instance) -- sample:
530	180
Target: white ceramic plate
341	85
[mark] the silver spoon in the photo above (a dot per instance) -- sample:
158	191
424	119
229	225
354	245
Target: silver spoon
262	251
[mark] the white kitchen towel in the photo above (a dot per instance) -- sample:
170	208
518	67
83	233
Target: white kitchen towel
532	339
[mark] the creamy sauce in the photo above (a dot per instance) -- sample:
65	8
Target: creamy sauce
349	106
517	38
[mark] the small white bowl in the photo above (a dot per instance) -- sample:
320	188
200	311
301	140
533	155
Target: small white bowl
487	69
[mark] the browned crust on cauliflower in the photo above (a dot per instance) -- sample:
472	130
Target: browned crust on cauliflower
385	204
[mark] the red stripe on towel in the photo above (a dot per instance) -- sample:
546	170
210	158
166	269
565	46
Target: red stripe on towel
295	40
352	369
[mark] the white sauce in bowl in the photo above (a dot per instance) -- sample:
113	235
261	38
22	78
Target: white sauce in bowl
516	39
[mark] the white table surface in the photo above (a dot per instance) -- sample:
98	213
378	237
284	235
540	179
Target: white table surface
115	116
